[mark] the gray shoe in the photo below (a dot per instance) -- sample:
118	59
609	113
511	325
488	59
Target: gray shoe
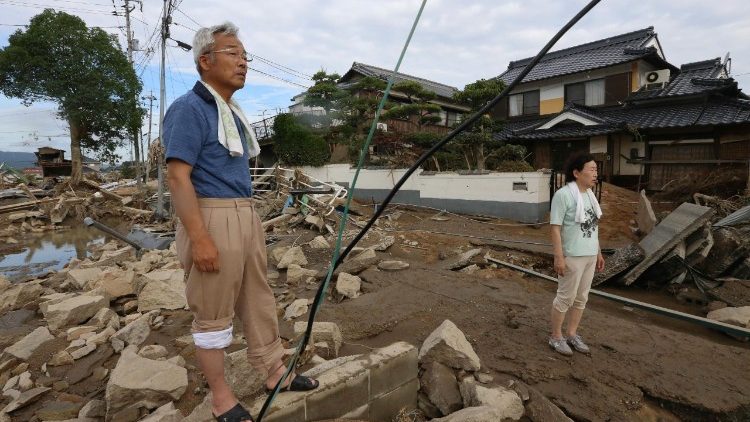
577	342
560	346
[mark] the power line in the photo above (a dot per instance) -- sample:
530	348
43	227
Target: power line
46	6
186	15
184	26
278	78
282	67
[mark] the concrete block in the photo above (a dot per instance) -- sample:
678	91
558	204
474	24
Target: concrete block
287	407
338	396
360	413
384	408
392	367
619	262
645	216
683	221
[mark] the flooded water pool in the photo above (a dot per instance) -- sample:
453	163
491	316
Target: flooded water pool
51	251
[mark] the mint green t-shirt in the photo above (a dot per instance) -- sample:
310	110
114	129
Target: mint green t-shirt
578	239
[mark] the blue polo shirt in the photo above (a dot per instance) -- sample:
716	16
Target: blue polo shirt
191	135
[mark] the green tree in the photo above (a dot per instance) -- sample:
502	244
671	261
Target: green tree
477	143
296	145
417	109
57	58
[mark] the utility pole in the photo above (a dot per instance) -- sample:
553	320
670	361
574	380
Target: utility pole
150	99
166	20
129	36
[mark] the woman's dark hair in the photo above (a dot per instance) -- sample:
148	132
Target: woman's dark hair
576	162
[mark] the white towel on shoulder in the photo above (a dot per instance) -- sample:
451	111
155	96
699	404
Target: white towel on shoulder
229	134
575	193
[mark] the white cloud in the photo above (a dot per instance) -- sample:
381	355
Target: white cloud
455	43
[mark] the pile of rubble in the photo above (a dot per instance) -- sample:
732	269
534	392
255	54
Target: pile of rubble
700	258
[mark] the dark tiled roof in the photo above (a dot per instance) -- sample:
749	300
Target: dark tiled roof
693	78
442	90
602	53
717	110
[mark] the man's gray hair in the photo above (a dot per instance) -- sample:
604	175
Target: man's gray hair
204	41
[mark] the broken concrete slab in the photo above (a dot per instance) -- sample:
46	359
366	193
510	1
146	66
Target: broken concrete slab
698	245
24	348
441	387
734	292
645	216
144	382
461	260
20	295
296	274
359	262
348	285
668	267
74	310
619	262
294	255
165	289
393	265
319	242
739	316
82	277
448	345
327	332
473	414
683	221
730	246
25	398
296	309
503	399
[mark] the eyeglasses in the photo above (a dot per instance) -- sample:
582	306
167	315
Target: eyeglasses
235	54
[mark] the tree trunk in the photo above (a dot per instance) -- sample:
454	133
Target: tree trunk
437	164
468	163
76	172
479	154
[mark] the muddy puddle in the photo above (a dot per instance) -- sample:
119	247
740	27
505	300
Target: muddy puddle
51	251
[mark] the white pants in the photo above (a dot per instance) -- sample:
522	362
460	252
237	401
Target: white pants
573	286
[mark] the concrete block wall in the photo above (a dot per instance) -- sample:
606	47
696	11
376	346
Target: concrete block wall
372	387
518	196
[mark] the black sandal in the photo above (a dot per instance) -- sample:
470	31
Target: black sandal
235	414
299	383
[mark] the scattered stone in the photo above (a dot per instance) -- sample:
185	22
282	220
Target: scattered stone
58	410
273	275
82	277
393	265
484	378
83	351
315	221
327	332
24	381
117	344
278	252
461	260
143	382
241	376
101	338
319	242
19	296
73	311
471	269
742	271
61	358
24	399
507	401
295	274
24	348
425	405
359	263
294	255
136	332
348	285
116	282
177	360
440	385
730	315
105	317
296	309
166	413
473	414
153	352
74	333
385	243
93	409
163	289
99	374
448	345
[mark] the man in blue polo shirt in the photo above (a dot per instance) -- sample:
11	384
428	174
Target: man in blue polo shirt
220	240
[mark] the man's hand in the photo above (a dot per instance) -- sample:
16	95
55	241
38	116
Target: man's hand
560	267
599	263
205	254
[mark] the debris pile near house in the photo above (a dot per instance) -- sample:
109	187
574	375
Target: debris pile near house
701	258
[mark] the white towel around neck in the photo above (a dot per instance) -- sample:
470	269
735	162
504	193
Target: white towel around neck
578	200
229	134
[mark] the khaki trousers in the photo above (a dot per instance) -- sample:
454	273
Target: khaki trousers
573	287
239	287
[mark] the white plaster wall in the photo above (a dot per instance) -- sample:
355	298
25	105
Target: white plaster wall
626	143
555	87
598	144
446	185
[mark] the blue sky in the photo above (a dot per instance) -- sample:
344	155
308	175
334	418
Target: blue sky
456	42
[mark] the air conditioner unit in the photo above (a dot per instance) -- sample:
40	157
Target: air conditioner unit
657	76
383	127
